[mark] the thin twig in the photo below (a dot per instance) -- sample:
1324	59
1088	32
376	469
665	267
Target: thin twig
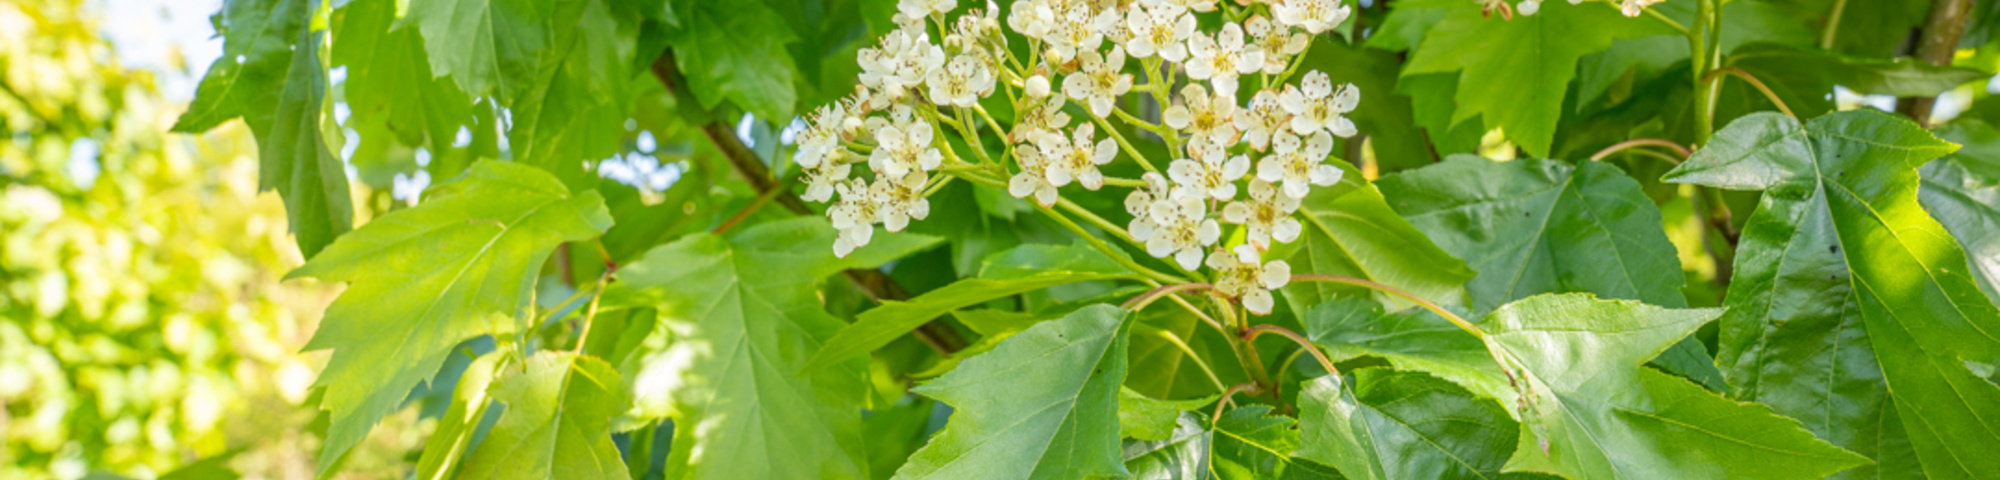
1142	300
1248	388
755	204
1637	142
1754	82
1251	336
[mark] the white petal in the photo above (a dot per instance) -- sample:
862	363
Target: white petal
1106	150
1258	301
1189	258
1276	274
1177	116
1045	195
1235	212
1021	185
1286	230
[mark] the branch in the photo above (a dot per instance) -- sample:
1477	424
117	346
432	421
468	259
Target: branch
877	285
1936	44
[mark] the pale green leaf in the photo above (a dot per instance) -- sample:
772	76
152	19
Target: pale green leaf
389	78
557	424
449	443
257	38
1840	259
1413	339
421	280
489	47
574	111
1042	405
1351	231
1963	192
739	318
877	327
1589	411
1148	418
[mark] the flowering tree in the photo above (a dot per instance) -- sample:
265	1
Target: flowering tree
627	269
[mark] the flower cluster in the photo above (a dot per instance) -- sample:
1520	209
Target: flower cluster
1248	164
1630	8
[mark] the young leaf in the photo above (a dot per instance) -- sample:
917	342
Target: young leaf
423	279
1395	424
1042	405
1542	226
1839	219
742	317
1515	72
1589	411
557	424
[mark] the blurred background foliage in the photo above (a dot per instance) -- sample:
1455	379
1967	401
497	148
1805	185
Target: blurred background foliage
143	324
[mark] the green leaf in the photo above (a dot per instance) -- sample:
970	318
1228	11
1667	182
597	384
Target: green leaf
447	445
557	423
1252	443
1963	192
574	111
877	327
489	47
741	316
1413	339
1514	73
257	37
1183	455
389	77
295	153
1034	258
1147	418
736	51
1838	236
1541	226
1393	425
1042	405
1589	411
1350	230
422	279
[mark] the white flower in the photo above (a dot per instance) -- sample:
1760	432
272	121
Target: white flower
821	179
1246	277
1162	30
854	217
924	8
1631	8
1078	29
1276	43
961	82
1317	106
1032	18
1212	171
1180	227
1038	86
900	199
1033	179
904	146
1219	60
1313	15
903	61
1266	115
1529	7
1196	5
1140	201
821	138
1266	215
1204	115
1035	120
1299	167
1098	80
1076	157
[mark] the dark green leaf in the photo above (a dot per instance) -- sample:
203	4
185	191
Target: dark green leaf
1042	405
1350	230
389	78
574	112
422	279
1541	226
489	47
1839	239
1146	418
257	38
1394	425
1514	73
1963	192
295	154
736	51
